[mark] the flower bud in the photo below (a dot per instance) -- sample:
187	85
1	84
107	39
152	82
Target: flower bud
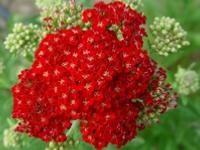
135	4
12	139
61	16
23	39
167	31
70	143
42	4
187	81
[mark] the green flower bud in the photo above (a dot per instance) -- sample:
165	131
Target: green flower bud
61	16
23	39
12	139
69	144
187	81
48	3
169	32
135	4
53	146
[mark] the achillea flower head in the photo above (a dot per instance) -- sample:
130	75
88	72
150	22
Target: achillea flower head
187	81
12	139
167	36
112	86
23	39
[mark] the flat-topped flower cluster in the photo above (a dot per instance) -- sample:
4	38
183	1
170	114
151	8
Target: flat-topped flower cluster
112	86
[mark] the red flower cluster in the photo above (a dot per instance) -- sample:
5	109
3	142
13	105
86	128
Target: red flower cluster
91	76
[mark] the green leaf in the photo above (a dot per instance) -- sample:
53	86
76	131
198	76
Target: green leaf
184	100
4	84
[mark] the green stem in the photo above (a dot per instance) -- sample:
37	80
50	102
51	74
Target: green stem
75	125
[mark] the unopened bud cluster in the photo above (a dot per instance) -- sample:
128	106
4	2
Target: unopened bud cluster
167	36
43	4
12	139
69	144
61	16
135	4
187	81
23	39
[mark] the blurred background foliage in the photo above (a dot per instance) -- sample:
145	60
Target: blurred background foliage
178	130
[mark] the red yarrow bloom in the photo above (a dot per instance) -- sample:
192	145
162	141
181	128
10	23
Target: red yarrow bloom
92	76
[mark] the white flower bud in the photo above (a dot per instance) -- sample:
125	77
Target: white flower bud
134	4
62	16
187	81
43	4
12	139
167	31
22	38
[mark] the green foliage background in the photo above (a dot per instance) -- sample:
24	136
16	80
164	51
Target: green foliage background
179	129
